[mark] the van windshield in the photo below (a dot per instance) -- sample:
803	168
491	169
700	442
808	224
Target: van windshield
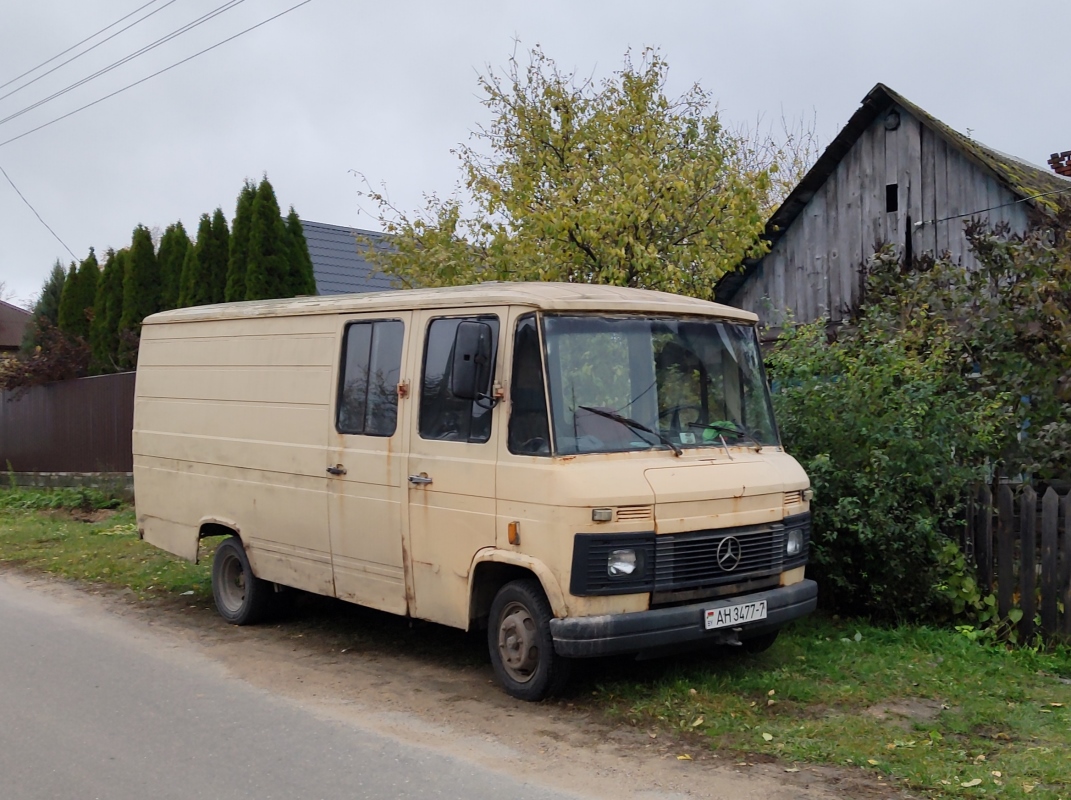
689	382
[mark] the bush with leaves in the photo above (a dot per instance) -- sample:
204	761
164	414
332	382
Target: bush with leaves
944	376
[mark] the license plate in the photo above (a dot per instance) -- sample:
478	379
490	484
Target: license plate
729	616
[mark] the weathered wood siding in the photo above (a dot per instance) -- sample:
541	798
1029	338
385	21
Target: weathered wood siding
813	269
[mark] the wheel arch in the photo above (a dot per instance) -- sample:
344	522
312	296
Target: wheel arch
492	569
207	527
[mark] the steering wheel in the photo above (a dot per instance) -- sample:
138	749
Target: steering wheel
673	414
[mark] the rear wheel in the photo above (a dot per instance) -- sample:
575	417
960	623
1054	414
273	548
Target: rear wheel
522	650
241	597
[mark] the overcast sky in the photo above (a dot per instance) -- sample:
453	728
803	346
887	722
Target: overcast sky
387	88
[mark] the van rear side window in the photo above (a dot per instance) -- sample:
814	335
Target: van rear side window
368	383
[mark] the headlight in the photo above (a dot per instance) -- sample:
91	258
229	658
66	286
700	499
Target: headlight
794	543
621	562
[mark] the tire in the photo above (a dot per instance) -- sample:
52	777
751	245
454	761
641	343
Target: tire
522	650
241	597
759	644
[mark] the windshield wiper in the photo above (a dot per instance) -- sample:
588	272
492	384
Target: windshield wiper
631	423
727	429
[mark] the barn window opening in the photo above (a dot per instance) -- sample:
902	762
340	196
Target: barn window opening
892	195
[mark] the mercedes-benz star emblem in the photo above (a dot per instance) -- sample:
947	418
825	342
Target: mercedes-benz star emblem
729	553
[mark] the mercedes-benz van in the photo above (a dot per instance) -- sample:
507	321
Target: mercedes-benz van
583	470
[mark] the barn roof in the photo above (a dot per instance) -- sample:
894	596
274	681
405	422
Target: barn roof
338	258
1020	177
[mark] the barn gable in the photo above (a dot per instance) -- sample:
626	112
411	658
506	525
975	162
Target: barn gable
894	174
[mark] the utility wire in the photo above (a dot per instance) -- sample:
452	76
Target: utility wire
153	75
88	49
78	44
152	46
34	210
922	222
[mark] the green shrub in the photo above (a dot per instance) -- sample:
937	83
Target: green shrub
75	497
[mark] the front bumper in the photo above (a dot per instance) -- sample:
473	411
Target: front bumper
677	627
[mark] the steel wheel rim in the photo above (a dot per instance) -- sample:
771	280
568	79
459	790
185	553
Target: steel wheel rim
518	642
232	584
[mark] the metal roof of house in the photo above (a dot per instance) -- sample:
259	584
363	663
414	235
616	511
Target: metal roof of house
1041	188
338	258
13	322
541	295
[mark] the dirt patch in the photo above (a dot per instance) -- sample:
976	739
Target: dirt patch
906	712
433	686
84	514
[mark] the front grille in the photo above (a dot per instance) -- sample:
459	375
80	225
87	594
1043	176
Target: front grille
794	498
633	513
686	560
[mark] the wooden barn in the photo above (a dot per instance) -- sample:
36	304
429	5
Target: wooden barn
896	175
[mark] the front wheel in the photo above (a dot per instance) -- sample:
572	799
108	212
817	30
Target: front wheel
522	650
241	597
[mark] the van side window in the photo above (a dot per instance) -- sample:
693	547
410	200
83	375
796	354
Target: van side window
529	432
368	383
442	415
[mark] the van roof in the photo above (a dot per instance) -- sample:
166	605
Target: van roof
544	296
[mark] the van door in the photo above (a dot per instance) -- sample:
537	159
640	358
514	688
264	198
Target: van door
369	434
451	473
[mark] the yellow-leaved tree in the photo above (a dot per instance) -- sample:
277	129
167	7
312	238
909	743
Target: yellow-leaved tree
610	182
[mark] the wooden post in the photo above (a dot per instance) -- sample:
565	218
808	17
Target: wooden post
983	536
1050	520
1028	544
1005	550
1066	578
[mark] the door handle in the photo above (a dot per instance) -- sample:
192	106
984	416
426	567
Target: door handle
337	470
419	480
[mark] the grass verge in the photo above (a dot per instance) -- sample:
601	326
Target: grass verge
85	535
922	709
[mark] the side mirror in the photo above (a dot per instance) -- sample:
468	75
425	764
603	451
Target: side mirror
470	374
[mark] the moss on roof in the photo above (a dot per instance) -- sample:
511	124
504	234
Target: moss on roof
1022	178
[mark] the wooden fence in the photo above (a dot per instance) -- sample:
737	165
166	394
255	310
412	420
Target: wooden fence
1022	549
82	425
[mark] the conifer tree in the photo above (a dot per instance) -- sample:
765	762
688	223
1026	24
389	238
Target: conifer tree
268	271
196	288
215	255
141	283
79	295
46	309
238	257
107	308
173	246
302	280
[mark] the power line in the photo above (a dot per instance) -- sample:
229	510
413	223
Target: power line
922	222
153	75
34	210
78	44
152	46
88	49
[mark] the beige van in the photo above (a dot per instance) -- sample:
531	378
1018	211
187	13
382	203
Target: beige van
583	470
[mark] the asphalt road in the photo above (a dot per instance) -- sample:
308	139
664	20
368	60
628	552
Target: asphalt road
95	707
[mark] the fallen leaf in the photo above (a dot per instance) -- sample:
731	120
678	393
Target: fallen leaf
698	721
890	747
946	783
872	762
768	737
1057	705
970	783
792	769
771	702
996	773
653	735
979	757
684	757
692	692
1028	787
772	692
